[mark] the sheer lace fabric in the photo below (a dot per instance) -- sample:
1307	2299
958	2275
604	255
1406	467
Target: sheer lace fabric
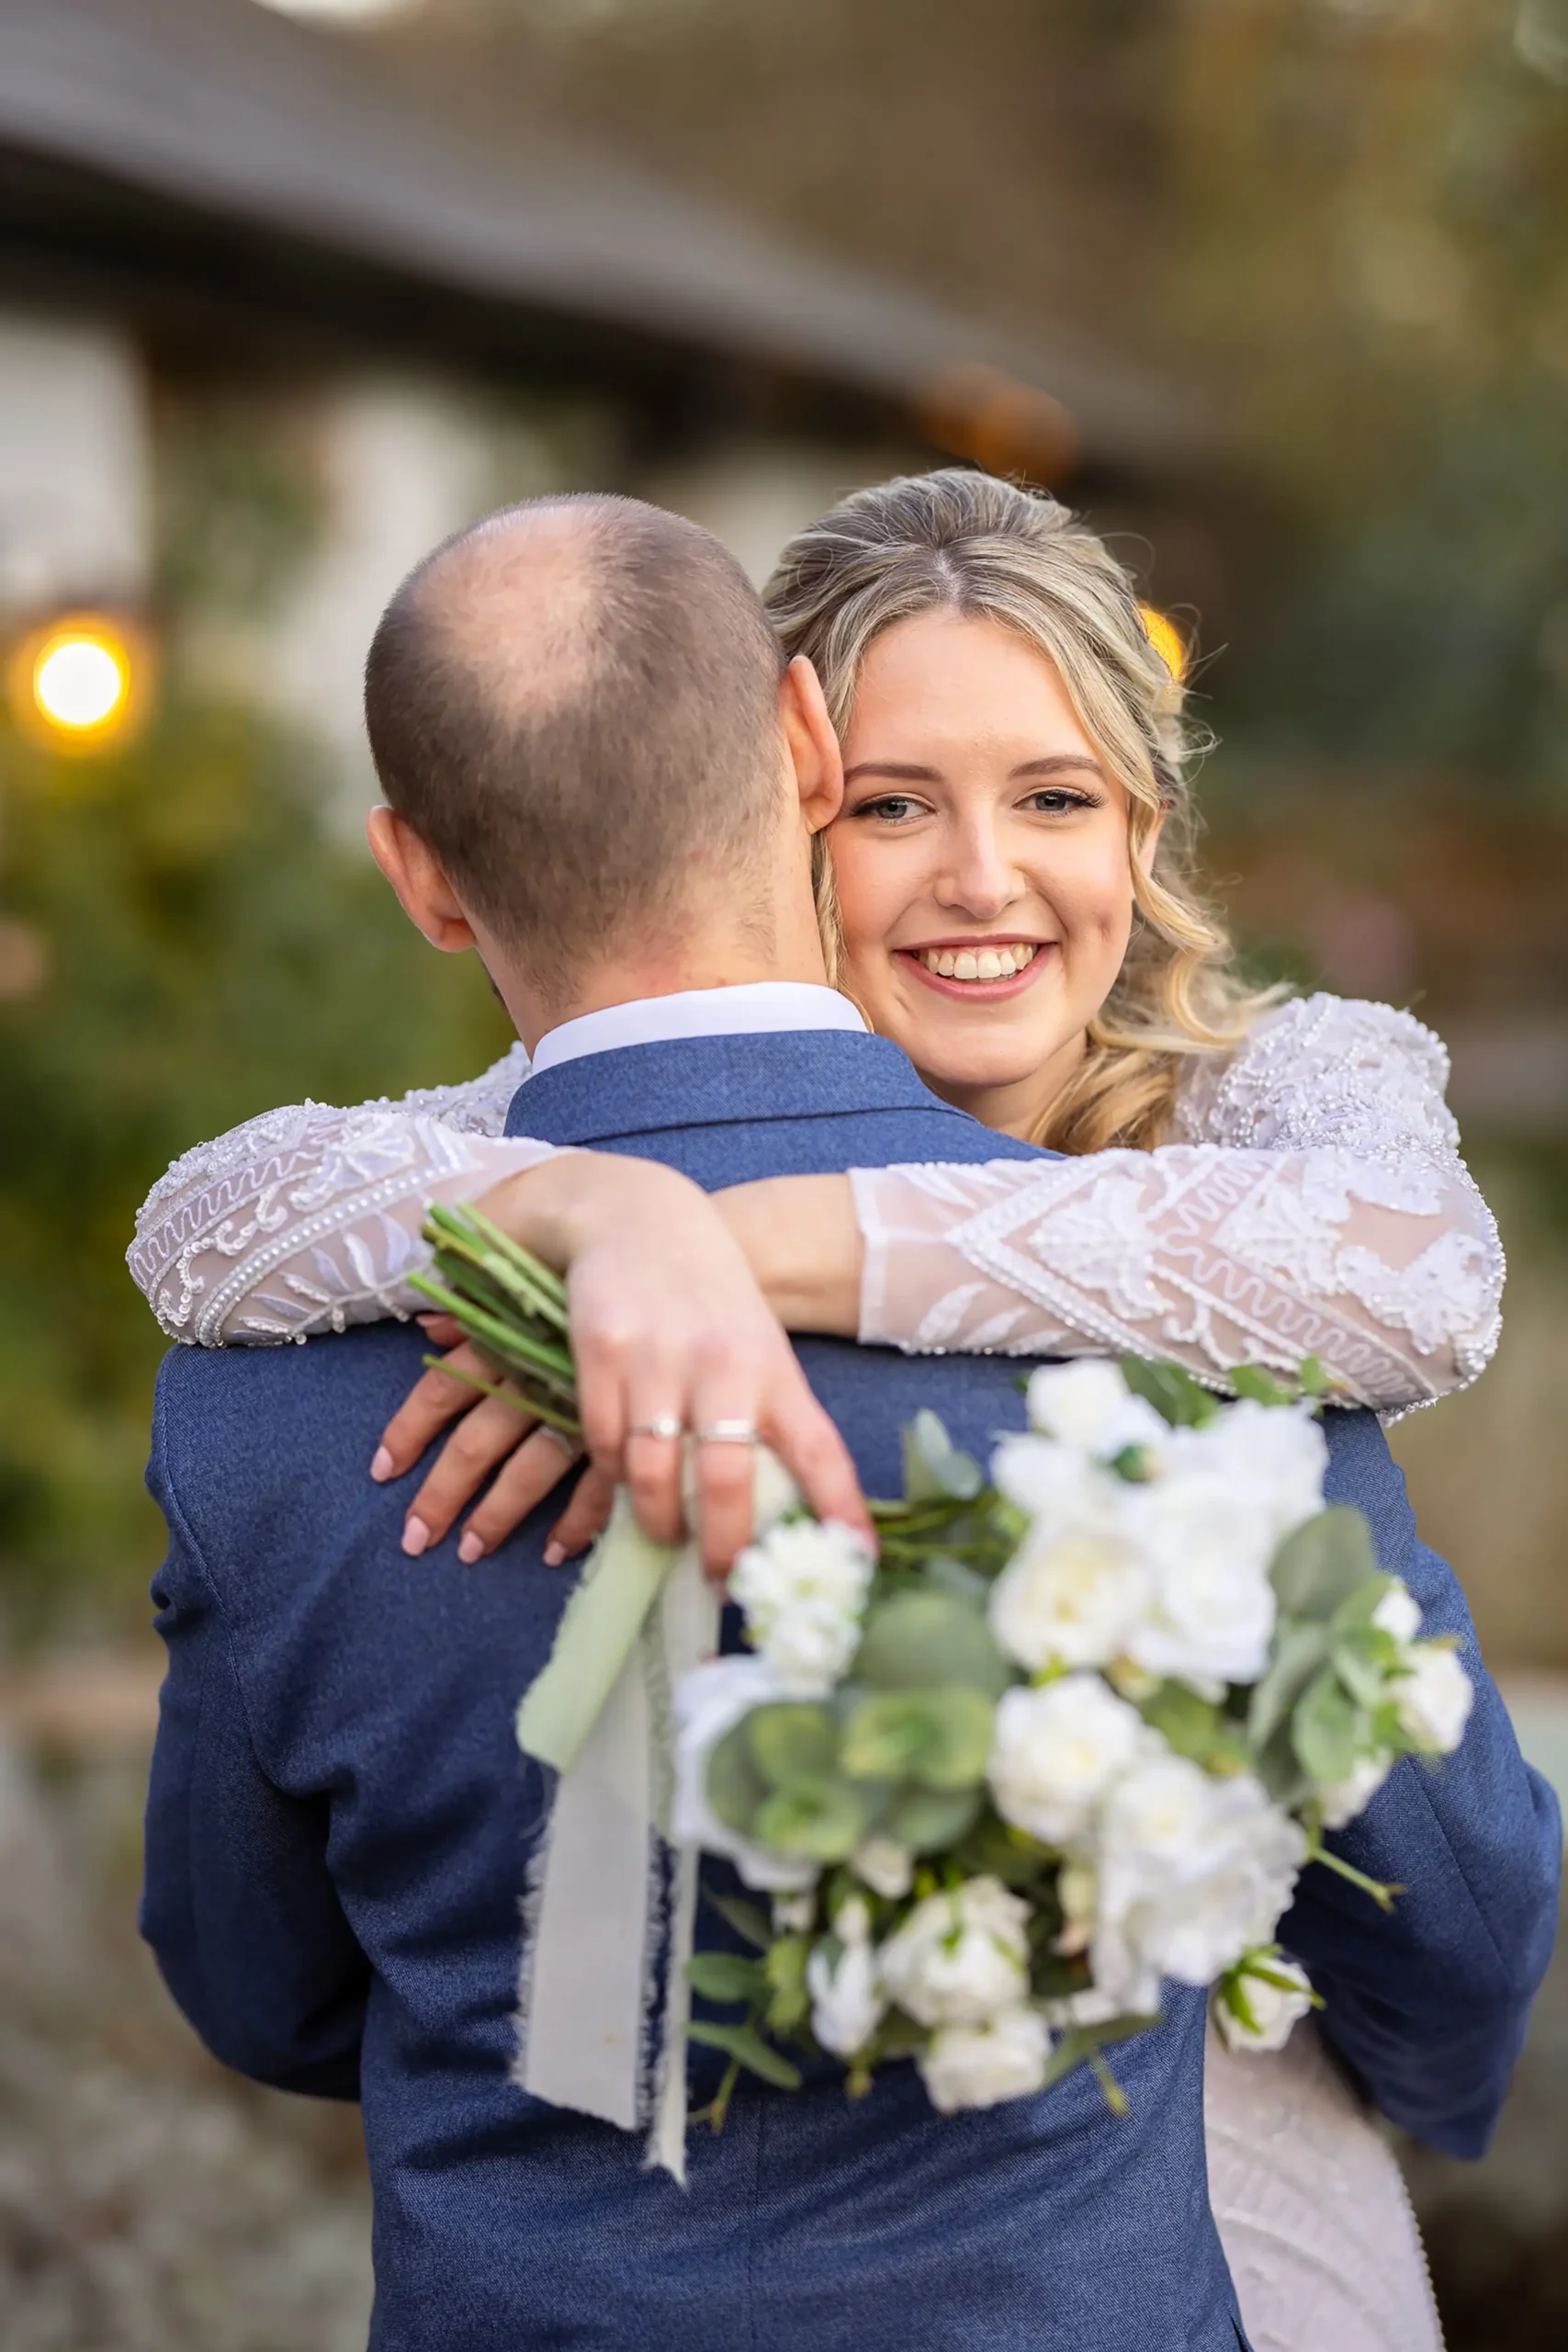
1320	1208
1315	1204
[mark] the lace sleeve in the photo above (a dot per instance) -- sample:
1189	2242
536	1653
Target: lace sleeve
1317	1205
307	1219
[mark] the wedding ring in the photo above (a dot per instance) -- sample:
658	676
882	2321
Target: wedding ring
728	1433
664	1426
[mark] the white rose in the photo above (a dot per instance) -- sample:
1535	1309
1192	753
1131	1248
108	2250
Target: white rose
1092	2007
1048	1481
1398	1612
979	2065
1192	1872
960	1956
1072	1594
1434	1699
887	1868
709	1701
1274	2008
803	1589
847	2000
1275	1453
1057	1750
1345	1798
1088	1404
1209	1543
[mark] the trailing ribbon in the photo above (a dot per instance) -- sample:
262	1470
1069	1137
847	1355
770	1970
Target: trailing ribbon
610	1889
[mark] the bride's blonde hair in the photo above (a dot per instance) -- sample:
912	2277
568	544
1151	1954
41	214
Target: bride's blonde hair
966	543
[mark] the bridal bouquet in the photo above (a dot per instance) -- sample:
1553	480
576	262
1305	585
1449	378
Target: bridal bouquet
1075	1728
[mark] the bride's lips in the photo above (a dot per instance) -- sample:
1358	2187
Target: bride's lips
977	991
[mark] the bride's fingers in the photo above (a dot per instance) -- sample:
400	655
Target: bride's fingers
441	1330
535	1470
435	1400
651	1466
483	1438
584	1518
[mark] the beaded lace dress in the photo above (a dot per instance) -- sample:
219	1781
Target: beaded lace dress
1315	1204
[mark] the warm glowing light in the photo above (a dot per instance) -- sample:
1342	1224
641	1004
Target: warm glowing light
1167	640
81	682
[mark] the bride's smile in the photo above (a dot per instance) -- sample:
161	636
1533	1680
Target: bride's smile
982	872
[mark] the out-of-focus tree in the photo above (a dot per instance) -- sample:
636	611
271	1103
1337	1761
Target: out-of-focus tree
188	943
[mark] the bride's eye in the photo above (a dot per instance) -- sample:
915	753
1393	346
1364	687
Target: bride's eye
1056	800
893	807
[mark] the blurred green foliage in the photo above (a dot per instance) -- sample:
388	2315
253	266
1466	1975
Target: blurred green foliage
212	950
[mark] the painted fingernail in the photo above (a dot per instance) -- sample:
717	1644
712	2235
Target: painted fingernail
554	1554
383	1466
471	1548
416	1535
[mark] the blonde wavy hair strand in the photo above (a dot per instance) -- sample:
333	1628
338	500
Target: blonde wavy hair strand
966	543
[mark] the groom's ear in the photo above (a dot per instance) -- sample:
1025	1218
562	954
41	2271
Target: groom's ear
813	746
423	892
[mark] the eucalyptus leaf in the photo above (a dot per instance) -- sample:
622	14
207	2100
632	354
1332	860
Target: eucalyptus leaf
1320	1565
726	1976
1174	1394
792	1740
1189	1725
1363	1659
1324	1729
744	2044
815	1821
939	1740
788	2002
749	1921
925	1640
1251	1380
1299	1652
734	1788
929	1821
1359	1607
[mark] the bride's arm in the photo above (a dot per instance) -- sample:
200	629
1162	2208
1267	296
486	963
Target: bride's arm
1321	1208
307	1218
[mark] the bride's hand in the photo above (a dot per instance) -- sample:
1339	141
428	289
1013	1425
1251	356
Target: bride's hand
668	1327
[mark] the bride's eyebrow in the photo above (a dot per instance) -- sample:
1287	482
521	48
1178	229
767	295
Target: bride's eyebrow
899	771
1062	764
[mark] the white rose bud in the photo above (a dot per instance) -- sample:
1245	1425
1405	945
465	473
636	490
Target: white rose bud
1345	1798
847	2001
794	1915
1274	2008
1056	1752
960	1956
1434	1698
1088	1405
803	1589
1398	1612
979	2065
887	1868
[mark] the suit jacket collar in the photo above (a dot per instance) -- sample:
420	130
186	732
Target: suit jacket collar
716	1081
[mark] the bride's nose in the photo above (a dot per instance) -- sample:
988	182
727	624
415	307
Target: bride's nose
979	879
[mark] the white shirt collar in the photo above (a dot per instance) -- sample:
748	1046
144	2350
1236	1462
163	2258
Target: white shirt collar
744	1011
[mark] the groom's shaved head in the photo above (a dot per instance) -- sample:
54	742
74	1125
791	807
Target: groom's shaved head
575	704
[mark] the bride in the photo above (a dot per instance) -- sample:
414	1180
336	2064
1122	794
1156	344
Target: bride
1007	895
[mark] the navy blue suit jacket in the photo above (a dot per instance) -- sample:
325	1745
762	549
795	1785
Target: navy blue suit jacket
339	1825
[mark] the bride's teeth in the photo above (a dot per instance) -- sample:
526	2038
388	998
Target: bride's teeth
944	962
988	965
980	963
965	966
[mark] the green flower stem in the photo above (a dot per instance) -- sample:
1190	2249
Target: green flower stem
1384	1896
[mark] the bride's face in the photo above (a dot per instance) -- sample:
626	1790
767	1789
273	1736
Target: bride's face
982	866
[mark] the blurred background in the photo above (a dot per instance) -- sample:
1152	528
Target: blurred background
1275	290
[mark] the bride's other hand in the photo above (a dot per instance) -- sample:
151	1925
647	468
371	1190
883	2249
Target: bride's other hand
669	1329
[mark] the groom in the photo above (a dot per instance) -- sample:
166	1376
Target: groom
601	772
